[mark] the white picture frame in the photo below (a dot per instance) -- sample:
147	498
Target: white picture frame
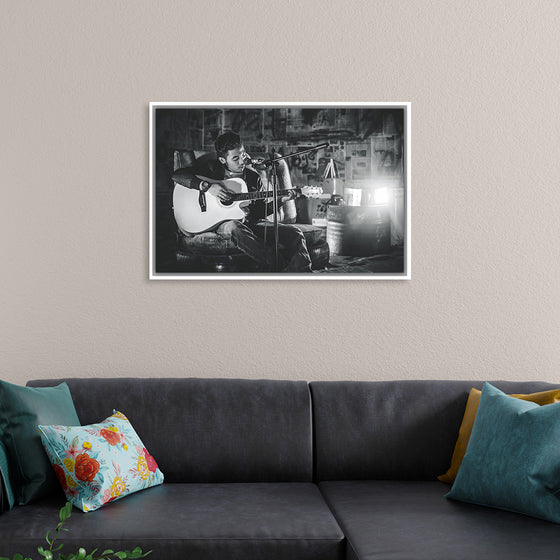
364	175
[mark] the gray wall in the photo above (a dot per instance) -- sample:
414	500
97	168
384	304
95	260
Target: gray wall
483	79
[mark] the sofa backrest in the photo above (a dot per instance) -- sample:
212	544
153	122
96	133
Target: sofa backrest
401	430
208	430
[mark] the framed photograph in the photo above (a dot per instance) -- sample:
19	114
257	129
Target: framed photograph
290	191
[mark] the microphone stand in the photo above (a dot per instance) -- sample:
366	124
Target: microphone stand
273	177
274	180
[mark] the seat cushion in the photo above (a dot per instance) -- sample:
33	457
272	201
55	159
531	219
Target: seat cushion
194	522
412	520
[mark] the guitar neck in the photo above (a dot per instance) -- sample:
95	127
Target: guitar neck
241	192
261	194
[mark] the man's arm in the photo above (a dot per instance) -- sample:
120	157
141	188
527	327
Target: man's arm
186	177
204	166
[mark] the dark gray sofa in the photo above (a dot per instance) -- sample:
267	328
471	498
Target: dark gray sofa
261	469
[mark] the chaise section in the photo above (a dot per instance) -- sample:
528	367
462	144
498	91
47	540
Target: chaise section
276	521
409	520
379	447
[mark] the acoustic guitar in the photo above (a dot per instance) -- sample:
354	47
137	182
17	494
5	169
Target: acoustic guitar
191	218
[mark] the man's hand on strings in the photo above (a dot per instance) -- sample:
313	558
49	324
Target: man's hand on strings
221	193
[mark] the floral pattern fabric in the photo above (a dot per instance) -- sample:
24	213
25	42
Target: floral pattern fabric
99	463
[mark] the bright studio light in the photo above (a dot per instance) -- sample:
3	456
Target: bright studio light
381	195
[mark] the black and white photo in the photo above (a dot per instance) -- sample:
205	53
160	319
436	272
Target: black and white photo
280	190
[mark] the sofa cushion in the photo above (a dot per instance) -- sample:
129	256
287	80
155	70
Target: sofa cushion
401	430
21	410
7	495
411	520
513	457
99	463
209	430
541	398
193	521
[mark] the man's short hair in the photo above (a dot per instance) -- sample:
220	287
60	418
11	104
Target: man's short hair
227	141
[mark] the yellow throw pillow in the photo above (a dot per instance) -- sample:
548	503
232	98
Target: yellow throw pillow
541	398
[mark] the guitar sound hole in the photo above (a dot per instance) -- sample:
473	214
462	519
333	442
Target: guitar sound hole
227	203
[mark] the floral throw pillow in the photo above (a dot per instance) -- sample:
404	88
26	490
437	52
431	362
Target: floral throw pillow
99	463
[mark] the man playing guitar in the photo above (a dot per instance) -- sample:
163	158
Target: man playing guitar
250	230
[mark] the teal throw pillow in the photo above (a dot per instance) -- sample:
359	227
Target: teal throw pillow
21	410
513	457
6	489
100	463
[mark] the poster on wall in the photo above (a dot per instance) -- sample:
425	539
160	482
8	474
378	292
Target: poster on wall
283	191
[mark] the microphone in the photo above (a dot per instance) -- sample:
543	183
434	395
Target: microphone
251	161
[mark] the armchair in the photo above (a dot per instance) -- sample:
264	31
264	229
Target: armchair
208	252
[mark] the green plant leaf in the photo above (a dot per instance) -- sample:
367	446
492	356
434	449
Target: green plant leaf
46	554
64	514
